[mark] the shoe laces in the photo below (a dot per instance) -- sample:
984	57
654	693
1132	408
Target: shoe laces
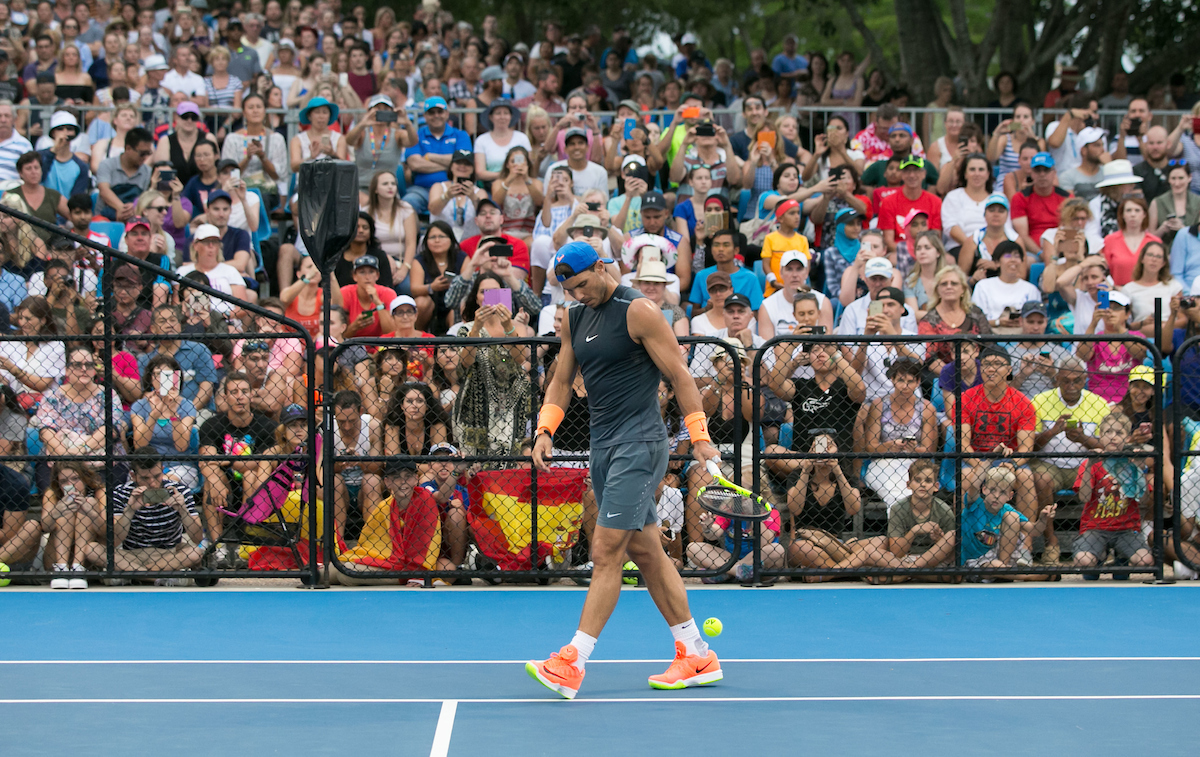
561	659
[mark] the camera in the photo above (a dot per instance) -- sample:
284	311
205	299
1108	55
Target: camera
1187	303
1135	125
706	129
385	116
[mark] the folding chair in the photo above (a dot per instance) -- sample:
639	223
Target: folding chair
264	519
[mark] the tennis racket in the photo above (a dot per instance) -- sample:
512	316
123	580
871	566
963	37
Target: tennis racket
729	500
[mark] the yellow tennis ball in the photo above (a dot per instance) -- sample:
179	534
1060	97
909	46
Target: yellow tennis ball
4	569
630	565
712	627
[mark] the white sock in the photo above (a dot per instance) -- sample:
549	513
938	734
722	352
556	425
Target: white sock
689	633
60	567
584	645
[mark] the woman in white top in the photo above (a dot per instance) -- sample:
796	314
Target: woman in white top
261	153
963	208
395	223
777	314
712	321
833	149
1152	280
221	276
33	366
305	84
319	139
454	200
124	118
284	72
491	148
1079	284
946	147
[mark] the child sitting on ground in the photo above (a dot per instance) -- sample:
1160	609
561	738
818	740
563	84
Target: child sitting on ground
992	529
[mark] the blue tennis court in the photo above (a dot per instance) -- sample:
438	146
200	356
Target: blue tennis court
952	670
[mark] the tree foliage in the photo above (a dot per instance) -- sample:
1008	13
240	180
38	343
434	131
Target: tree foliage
912	41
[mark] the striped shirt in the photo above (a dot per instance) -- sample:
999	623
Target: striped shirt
153	526
223	97
11	149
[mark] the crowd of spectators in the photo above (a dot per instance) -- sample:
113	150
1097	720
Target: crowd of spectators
718	194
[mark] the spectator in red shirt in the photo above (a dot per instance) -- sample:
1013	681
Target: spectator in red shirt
364	301
894	211
1035	208
1113	491
489	218
998	418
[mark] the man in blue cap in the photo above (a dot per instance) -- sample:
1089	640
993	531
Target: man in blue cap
1035	208
429	158
624	348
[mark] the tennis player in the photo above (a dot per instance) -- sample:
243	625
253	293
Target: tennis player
623	345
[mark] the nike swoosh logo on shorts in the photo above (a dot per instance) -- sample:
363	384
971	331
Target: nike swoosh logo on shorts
611	515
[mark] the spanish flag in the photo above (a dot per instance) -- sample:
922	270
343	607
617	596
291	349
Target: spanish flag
500	514
405	540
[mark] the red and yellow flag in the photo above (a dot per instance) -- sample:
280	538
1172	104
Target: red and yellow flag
500	513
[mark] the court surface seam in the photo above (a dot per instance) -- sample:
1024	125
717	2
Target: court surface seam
620	700
786	660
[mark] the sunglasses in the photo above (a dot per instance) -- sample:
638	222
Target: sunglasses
190	117
159	208
1176	162
80	366
257	345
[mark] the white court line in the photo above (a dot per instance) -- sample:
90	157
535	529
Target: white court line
445	727
632	700
806	660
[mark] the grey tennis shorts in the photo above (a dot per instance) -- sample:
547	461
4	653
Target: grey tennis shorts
624	479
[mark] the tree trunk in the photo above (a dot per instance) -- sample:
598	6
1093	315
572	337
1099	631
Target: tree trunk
923	55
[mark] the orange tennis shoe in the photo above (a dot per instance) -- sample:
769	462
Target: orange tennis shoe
688	670
559	672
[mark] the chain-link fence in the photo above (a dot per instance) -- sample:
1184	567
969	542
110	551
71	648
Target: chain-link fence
947	458
431	457
156	423
1183	537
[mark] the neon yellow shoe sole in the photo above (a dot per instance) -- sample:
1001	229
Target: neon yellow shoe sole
536	674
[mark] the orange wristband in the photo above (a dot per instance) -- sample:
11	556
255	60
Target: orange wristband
697	426
549	418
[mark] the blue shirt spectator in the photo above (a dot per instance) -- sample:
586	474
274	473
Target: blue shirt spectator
744	282
1185	259
789	64
68	178
13	289
436	137
981	528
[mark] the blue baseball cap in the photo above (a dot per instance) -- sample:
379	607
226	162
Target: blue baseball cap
1042	160
996	198
435	102
578	256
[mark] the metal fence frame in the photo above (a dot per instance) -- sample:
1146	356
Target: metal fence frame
111	258
537	574
1156	546
1181	449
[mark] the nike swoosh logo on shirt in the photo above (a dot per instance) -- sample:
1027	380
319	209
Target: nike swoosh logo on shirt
590	338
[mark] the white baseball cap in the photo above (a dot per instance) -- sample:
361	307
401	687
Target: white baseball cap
1118	297
1091	134
206	231
403	299
791	255
878	267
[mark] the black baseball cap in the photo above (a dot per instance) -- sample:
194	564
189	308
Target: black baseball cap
487	201
737	298
366	261
397	467
888	293
654	201
463	156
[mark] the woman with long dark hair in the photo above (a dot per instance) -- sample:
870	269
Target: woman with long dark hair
438	259
414	421
364	242
492	411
